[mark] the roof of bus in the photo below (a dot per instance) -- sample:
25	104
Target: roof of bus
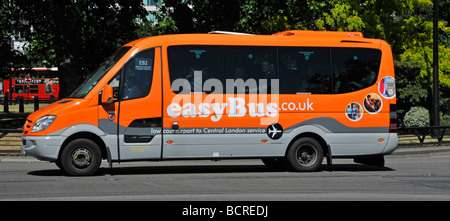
286	38
305	33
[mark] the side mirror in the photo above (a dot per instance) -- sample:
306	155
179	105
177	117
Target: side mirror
107	94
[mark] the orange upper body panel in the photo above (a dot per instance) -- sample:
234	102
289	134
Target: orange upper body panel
67	111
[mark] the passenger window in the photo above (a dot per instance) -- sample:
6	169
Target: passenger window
192	65
354	68
304	70
251	64
18	89
137	75
35	89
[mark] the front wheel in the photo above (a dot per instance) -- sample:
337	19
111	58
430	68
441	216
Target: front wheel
81	157
305	155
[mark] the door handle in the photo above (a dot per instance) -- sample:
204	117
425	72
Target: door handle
175	126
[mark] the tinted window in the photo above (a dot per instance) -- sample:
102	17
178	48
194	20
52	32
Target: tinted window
304	70
251	64
354	68
194	64
299	70
137	75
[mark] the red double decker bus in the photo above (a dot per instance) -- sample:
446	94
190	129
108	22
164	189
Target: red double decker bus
28	83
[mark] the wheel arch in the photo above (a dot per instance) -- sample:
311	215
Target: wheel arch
86	135
313	135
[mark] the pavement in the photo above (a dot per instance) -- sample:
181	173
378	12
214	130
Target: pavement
405	150
401	151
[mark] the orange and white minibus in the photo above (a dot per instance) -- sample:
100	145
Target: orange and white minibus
290	99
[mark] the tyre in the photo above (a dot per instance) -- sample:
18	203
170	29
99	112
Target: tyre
305	155
81	157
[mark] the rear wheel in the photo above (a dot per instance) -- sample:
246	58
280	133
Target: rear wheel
305	155
81	157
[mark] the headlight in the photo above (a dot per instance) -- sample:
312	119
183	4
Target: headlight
43	123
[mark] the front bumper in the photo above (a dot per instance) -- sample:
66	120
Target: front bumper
42	147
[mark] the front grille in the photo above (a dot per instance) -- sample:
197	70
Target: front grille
27	126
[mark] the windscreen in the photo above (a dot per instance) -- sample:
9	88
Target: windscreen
93	79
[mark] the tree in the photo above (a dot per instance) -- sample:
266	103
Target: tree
77	35
268	17
196	16
411	91
10	22
418	46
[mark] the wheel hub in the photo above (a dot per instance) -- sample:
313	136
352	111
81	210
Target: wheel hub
306	155
81	158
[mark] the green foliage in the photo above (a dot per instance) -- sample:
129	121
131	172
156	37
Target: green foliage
417	44
268	17
191	16
76	36
444	120
417	117
9	58
411	91
342	17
